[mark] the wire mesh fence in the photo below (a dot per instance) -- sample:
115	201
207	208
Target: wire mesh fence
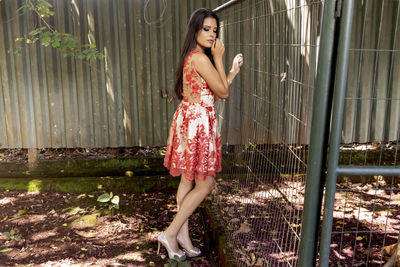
366	217
266	123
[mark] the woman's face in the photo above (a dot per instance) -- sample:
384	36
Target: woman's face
207	34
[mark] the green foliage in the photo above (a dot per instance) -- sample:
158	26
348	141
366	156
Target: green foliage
41	7
5	249
177	262
66	43
160	152
111	201
12	236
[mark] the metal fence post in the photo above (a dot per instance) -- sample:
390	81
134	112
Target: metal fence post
315	165
337	122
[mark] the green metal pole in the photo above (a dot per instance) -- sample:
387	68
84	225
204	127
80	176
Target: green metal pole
368	170
315	164
337	123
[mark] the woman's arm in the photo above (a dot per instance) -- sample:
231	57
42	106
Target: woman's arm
215	77
236	64
211	75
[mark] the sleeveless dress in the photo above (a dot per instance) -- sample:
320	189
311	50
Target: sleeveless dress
194	141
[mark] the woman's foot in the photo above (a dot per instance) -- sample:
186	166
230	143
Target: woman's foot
162	239
188	247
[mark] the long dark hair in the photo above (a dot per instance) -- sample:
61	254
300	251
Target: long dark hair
195	24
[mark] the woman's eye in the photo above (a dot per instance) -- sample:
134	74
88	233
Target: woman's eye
206	29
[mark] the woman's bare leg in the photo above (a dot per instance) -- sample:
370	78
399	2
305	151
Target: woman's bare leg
185	186
188	206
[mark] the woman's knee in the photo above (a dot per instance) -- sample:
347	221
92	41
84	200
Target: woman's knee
207	185
186	182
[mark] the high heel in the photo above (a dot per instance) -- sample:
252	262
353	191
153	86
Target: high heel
163	240
194	252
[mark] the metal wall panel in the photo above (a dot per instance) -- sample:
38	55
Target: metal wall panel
47	100
51	101
274	90
373	92
373	95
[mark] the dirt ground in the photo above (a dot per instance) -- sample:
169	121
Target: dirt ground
75	230
366	221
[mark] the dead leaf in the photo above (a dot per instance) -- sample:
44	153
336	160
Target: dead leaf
234	220
260	262
244	228
164	93
389	250
253	258
21	212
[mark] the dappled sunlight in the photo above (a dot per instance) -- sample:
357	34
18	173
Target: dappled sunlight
7	200
127	124
283	256
75	8
108	71
152	235
302	34
136	256
44	234
373	206
91	32
49	237
33	218
366	218
261	216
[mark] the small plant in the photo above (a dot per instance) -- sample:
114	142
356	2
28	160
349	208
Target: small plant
177	262
12	236
113	201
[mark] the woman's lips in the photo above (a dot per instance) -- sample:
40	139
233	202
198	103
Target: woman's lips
211	41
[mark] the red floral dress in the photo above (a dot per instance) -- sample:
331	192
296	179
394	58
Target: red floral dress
194	141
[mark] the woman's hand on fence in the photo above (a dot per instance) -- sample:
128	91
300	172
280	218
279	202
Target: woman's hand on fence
237	63
217	49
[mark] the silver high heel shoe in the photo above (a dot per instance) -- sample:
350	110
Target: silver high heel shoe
194	252
163	240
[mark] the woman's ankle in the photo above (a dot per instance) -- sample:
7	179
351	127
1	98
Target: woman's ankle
169	234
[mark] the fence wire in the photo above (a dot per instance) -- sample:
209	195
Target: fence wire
366	218
266	126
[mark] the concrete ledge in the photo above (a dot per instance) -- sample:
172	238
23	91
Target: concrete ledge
214	237
84	168
91	184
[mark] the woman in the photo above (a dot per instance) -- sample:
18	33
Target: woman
194	143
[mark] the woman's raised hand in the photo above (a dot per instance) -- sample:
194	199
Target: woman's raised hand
237	63
217	49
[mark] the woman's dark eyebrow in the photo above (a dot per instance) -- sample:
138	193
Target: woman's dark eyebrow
209	26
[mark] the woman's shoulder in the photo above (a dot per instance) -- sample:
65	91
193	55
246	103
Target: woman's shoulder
199	57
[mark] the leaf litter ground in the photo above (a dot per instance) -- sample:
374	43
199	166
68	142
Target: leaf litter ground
73	230
366	221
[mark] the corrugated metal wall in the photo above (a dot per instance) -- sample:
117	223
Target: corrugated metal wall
274	91
373	94
47	100
373	87
50	101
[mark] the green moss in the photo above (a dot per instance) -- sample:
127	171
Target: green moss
84	167
91	184
85	221
35	185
